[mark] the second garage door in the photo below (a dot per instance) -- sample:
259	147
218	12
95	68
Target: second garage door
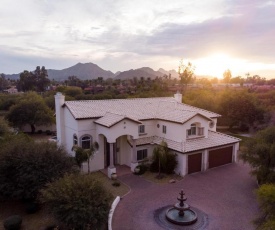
194	163
220	157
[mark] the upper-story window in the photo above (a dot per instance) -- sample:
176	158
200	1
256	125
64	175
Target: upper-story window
192	130
195	130
164	129
75	140
86	142
141	129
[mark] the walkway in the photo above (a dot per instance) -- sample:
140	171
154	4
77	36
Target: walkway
226	194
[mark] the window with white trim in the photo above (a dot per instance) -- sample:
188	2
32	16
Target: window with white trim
141	154
164	129
86	142
192	130
141	129
75	140
200	131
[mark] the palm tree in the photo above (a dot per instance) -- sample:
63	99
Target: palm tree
159	154
82	155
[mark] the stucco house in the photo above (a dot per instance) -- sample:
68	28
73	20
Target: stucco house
127	130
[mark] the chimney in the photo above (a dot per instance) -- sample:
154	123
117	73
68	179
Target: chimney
178	97
59	115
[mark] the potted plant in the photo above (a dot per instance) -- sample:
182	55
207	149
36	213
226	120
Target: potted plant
137	169
114	176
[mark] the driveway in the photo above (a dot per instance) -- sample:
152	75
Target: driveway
225	194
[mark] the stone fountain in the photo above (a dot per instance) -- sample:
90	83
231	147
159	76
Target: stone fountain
181	213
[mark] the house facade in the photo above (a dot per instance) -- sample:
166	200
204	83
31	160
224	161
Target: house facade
127	130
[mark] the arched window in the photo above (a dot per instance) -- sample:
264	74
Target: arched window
86	142
75	140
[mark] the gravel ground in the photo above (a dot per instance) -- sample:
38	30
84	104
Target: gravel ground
225	194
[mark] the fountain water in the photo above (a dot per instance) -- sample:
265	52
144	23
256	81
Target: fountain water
181	213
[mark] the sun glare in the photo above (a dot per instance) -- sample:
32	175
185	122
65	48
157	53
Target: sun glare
215	65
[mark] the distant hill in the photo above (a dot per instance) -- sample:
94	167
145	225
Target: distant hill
82	71
145	72
174	73
87	71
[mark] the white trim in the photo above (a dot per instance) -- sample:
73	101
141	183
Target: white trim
111	212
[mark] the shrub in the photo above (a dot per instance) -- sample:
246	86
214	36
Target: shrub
13	222
78	201
48	132
171	163
116	184
27	166
31	207
142	169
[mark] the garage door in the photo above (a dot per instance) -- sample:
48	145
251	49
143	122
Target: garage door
194	163
220	157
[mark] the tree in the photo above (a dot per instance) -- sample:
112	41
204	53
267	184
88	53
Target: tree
241	108
82	155
42	80
266	198
30	110
259	152
227	76
186	73
27	81
163	160
4	128
4	83
78	201
34	81
27	166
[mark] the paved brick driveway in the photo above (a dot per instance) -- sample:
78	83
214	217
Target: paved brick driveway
225	194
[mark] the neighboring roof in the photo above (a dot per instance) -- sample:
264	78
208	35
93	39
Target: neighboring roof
110	119
215	139
165	108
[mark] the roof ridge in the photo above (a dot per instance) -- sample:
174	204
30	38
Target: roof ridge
199	109
122	99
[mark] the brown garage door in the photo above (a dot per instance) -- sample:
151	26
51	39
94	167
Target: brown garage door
194	163
220	157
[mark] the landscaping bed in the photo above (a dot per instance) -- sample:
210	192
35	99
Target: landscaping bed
165	178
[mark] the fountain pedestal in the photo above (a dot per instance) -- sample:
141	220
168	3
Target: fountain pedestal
181	213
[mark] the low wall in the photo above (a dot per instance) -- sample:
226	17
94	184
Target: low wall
111	212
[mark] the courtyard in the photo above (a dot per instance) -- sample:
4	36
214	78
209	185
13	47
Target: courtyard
225	194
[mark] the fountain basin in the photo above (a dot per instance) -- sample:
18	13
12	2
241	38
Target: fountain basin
189	217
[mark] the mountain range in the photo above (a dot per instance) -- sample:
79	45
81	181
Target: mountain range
88	71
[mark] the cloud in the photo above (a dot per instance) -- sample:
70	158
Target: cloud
123	34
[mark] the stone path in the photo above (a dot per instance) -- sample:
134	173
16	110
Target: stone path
225	194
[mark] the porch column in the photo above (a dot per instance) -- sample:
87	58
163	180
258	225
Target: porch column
111	168
134	162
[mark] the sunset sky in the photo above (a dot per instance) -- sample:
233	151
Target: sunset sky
118	35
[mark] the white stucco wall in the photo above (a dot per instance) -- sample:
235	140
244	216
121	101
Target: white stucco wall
214	128
125	152
181	168
197	119
70	128
124	127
